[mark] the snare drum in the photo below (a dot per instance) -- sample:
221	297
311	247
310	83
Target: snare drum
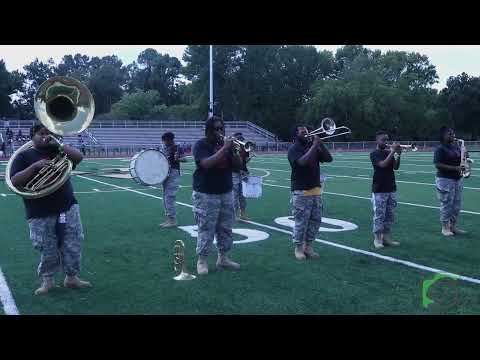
149	167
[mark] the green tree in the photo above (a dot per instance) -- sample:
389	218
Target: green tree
138	105
154	71
10	84
107	81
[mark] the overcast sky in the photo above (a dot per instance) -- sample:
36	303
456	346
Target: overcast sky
449	60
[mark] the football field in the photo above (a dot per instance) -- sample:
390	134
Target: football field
129	258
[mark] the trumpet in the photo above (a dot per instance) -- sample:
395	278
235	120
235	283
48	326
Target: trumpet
329	128
247	146
411	148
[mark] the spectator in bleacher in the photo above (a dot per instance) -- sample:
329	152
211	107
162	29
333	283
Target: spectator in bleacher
9	134
2	150
19	135
212	194
81	144
238	174
171	184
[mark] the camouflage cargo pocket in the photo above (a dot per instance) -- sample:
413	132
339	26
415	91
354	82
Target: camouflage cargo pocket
199	207
37	233
443	189
298	203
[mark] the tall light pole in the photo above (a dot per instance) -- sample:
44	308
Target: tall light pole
210	104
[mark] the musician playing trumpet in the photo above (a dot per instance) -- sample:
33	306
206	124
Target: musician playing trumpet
54	220
449	181
213	204
384	199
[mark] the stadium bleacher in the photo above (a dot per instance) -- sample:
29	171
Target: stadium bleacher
146	133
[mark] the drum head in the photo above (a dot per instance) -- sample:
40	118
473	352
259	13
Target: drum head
150	167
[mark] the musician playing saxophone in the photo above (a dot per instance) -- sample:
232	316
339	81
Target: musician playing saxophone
54	220
449	181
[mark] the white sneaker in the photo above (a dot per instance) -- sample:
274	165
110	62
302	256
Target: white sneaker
378	242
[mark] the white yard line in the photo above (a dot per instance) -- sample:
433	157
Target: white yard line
370	199
354	167
359	251
6	298
365	177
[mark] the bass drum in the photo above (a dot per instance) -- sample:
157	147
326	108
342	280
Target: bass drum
149	167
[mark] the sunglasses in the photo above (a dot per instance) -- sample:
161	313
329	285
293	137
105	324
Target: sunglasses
218	128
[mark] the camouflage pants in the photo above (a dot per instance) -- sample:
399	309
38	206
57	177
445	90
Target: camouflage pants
214	215
307	213
383	206
239	201
449	193
55	254
170	189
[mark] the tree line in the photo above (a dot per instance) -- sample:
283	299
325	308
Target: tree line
274	86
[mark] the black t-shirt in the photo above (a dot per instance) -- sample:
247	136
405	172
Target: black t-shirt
448	154
217	180
53	204
171	155
383	178
303	177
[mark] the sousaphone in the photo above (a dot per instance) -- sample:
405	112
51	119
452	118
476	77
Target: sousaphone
65	107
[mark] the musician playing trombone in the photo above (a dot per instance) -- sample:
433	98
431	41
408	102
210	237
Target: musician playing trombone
54	220
449	181
212	194
384	189
304	157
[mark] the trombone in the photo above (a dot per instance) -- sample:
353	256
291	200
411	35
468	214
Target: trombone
329	128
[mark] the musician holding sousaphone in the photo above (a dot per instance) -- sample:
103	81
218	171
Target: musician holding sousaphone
175	155
451	162
212	194
305	156
39	171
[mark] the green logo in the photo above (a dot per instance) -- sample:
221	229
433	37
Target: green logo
427	284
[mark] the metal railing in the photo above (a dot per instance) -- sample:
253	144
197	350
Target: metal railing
122	150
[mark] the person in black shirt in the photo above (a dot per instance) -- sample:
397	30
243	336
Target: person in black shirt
54	220
304	157
237	175
384	189
449	181
212	194
171	184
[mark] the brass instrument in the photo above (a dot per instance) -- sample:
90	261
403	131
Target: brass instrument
179	262
412	148
329	128
247	146
465	161
65	107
